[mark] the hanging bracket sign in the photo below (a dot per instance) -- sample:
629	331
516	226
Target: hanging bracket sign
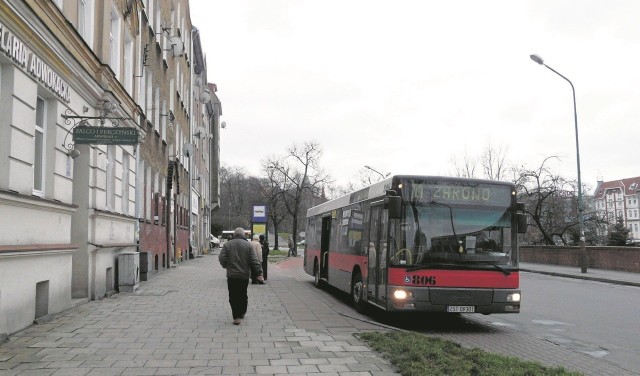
105	135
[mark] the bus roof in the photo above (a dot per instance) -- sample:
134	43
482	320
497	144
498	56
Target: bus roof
379	189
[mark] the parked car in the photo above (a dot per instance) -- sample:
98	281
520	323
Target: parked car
215	242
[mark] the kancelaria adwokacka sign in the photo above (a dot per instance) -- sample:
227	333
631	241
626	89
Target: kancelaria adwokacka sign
16	50
105	135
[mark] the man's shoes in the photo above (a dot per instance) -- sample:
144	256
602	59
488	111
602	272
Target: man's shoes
236	322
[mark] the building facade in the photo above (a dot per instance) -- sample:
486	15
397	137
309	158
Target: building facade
70	207
619	199
163	199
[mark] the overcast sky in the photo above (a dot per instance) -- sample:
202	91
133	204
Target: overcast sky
405	86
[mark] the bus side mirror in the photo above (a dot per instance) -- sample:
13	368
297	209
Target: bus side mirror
394	206
521	218
522	223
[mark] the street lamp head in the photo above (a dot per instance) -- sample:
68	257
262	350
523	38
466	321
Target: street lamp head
537	59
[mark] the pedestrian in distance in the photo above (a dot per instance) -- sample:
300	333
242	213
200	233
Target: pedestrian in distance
292	247
265	256
238	257
257	249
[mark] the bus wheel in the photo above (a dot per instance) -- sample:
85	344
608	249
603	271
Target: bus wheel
357	293
316	275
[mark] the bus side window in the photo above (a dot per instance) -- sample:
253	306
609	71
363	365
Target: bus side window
335	234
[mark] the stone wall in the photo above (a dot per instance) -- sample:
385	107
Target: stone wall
610	258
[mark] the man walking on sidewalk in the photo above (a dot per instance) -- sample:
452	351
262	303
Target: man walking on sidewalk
239	259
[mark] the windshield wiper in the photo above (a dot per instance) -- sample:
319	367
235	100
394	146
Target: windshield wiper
435	265
500	268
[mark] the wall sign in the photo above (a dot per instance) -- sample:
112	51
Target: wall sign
27	60
105	135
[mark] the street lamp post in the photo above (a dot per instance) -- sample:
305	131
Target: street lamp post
376	171
583	251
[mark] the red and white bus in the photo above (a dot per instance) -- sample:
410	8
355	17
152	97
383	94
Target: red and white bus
420	243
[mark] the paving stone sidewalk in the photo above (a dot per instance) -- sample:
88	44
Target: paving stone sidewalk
179	323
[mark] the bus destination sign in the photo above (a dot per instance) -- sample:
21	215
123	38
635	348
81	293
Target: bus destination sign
477	194
105	135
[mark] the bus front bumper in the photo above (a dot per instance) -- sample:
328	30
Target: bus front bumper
453	300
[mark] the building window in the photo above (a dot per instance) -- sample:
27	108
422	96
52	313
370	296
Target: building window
114	42
141	84
156	197
164	120
163	202
149	97
148	194
111	167
85	20
125	183
146	7
128	64
39	148
156	112
158	22
82	26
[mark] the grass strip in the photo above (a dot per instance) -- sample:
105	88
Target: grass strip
415	354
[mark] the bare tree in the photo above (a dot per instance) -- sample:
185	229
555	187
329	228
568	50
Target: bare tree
335	191
550	200
298	173
465	168
236	197
493	162
365	177
271	190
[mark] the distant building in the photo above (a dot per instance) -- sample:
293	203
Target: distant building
619	198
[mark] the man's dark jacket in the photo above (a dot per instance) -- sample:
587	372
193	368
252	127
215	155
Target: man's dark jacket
238	258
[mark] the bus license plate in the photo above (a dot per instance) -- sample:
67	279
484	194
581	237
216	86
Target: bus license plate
461	309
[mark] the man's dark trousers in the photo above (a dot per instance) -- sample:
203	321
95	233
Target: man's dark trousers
238	296
265	263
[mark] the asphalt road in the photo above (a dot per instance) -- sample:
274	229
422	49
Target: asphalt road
558	325
595	318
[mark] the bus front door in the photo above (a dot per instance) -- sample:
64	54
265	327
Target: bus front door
373	251
325	237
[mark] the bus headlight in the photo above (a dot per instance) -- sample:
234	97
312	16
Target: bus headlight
515	297
401	294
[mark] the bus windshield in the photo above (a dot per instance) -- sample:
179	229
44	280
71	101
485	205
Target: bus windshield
467	228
